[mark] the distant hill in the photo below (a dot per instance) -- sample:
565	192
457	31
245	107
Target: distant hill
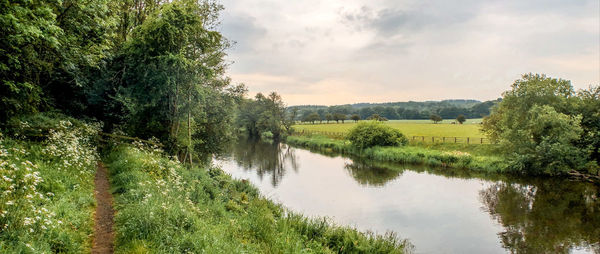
447	109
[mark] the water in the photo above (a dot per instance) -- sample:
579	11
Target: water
439	211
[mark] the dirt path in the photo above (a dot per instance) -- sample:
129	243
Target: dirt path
103	221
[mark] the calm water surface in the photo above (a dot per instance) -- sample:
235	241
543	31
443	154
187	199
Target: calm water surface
439	211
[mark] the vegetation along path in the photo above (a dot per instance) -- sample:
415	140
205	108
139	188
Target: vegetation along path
103	220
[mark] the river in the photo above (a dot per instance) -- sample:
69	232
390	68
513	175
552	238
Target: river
438	210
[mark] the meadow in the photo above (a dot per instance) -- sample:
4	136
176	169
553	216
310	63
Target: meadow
408	127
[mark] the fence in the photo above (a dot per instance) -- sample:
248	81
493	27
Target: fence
422	139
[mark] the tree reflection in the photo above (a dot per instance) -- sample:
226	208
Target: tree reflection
265	158
549	216
369	174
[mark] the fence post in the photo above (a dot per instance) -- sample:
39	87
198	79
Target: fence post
481	140
454	140
432	139
423	139
443	139
467	140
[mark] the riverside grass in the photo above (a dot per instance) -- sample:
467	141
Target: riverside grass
407	127
164	207
46	190
406	154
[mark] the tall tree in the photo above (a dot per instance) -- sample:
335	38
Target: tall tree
539	124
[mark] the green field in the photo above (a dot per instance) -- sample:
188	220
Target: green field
409	127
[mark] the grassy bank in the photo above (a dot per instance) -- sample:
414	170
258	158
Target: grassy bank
47	199
163	207
444	156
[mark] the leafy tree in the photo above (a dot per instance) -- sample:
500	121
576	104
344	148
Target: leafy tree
263	114
588	105
371	133
48	51
355	118
435	118
461	119
538	124
339	117
377	117
328	117
312	118
168	75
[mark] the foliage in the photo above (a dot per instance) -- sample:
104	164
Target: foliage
312	118
339	117
461	119
447	109
369	134
48	52
377	117
164	207
435	118
539	124
166	80
47	189
263	114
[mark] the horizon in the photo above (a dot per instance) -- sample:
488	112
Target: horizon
344	52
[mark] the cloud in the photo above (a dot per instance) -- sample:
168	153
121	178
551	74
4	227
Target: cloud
343	51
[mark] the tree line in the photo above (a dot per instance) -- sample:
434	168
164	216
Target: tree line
408	110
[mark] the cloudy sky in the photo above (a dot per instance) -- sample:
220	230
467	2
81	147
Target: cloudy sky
345	51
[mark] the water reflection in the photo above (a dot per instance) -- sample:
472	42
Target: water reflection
439	210
546	216
271	159
369	174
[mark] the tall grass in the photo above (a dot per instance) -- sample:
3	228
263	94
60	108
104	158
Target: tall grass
405	154
46	190
164	207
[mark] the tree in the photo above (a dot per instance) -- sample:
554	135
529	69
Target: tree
48	53
312	117
369	134
537	123
328	117
355	118
339	117
169	73
289	121
435	118
461	119
588	105
377	117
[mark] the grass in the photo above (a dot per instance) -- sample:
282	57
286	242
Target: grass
478	159
47	199
408	127
164	207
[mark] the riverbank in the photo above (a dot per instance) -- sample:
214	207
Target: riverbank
444	156
163	206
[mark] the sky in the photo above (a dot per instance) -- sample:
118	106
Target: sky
328	52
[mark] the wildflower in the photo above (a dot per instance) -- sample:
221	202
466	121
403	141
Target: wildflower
10	202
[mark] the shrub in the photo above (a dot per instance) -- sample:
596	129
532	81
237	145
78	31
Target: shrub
369	134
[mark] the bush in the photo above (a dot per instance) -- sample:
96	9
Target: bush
369	134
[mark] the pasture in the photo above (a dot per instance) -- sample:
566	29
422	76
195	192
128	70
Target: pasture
409	127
